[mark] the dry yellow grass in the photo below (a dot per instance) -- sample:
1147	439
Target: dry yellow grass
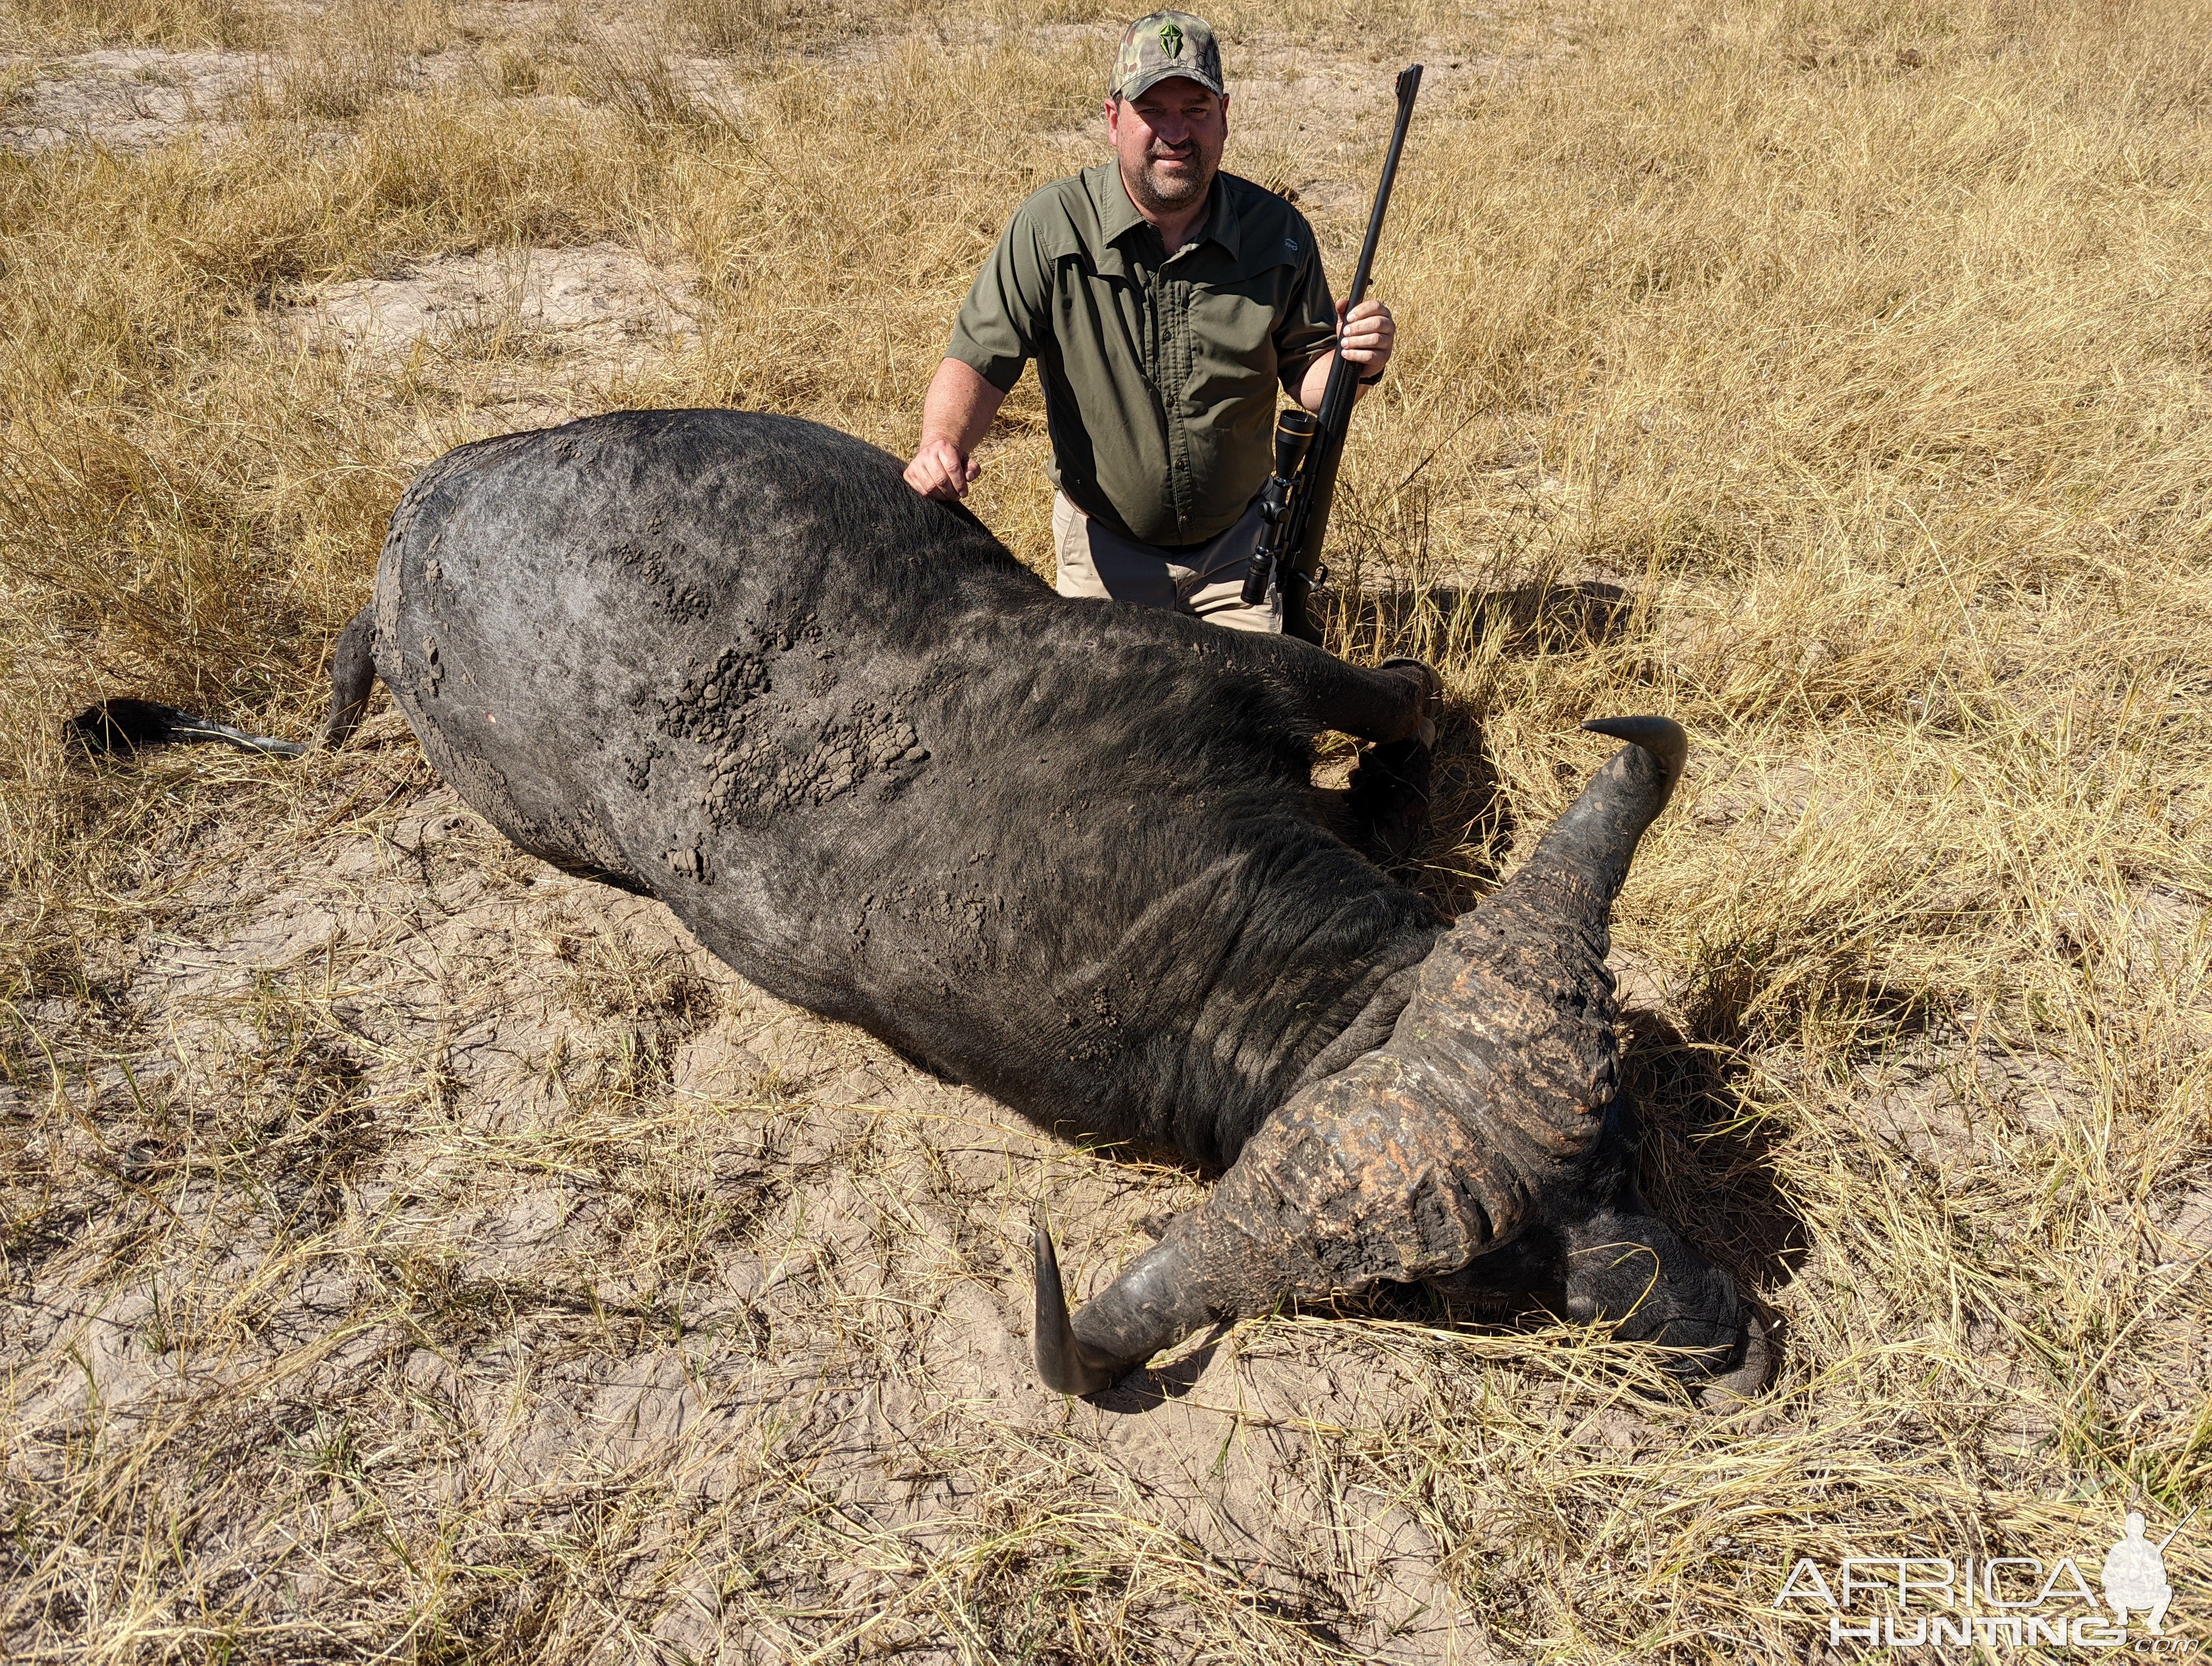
410	1255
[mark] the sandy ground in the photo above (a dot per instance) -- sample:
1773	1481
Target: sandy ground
595	297
127	98
539	335
551	1202
492	1218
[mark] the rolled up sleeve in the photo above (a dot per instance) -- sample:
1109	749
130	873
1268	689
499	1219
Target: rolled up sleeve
1308	328
1006	313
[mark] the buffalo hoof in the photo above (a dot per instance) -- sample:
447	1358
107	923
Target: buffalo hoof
1432	697
352	672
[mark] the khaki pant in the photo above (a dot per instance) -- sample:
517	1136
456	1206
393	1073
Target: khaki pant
1206	579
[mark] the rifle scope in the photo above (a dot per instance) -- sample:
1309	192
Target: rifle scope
1294	432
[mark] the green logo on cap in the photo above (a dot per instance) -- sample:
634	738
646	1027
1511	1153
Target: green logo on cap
1171	40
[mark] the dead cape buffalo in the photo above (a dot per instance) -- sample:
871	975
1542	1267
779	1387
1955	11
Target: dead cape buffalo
1065	851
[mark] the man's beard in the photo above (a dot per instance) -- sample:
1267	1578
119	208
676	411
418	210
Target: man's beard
1171	195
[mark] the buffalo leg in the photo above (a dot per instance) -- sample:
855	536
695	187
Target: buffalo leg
1398	700
1394	705
1390	798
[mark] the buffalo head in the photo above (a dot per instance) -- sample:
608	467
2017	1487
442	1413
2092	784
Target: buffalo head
1493	1115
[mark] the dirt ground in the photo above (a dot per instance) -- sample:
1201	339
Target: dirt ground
580	1216
127	98
413	1253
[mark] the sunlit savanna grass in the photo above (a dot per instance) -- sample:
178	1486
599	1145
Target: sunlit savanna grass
1833	377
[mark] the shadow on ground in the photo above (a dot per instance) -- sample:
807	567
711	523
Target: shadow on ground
1707	1156
1547	614
1472	823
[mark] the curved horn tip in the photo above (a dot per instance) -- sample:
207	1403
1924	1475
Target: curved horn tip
1731	1390
1661	736
1066	1365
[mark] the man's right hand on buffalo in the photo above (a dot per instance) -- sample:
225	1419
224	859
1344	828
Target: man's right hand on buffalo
955	416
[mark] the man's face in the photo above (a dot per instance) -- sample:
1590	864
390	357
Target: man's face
1169	141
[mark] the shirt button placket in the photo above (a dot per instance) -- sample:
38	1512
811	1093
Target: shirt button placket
1174	356
1152	329
1167	385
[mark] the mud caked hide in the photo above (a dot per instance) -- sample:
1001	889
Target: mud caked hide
1065	851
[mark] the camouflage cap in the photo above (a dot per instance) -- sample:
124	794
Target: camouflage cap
1164	44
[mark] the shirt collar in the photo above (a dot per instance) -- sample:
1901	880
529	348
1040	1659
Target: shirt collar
1118	216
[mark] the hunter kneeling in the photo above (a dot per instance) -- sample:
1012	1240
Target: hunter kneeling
1163	301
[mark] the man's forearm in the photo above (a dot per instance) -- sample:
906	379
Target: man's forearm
959	406
1316	382
956	414
1365	334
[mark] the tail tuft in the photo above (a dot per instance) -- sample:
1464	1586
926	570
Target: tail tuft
120	725
123	725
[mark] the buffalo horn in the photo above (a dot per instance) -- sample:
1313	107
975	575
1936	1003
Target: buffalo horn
1152	1305
1594	840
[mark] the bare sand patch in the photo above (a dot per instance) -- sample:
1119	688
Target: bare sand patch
128	98
604	304
533	335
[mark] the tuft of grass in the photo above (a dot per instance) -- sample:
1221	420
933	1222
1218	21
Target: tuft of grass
354	55
64	25
415	1253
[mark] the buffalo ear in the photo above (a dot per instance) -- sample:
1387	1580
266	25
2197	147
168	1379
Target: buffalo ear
1628	1268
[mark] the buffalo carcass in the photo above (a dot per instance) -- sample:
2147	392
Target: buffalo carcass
1065	851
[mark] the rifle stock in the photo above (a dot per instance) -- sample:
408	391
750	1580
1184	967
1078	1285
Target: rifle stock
1308	527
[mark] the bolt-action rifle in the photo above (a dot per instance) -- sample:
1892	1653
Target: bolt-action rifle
1294	504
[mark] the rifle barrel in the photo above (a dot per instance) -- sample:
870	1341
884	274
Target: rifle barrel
1308	524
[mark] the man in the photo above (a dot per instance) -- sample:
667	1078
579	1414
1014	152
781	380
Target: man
1164	300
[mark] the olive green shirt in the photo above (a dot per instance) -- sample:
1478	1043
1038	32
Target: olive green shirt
1159	370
